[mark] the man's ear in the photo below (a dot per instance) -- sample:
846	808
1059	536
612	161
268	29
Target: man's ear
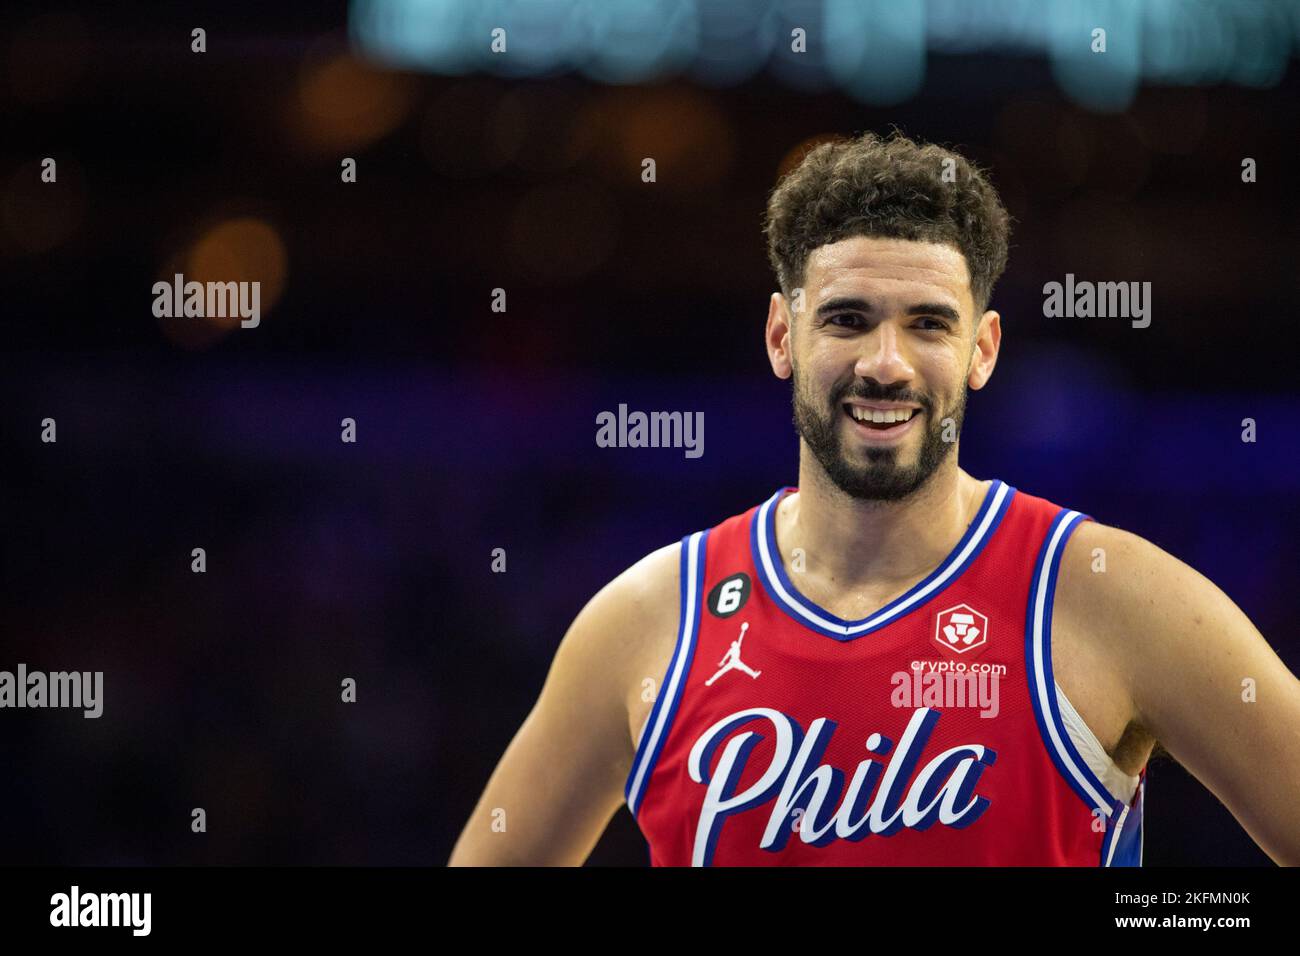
984	354
779	334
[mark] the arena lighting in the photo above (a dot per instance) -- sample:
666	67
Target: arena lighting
875	50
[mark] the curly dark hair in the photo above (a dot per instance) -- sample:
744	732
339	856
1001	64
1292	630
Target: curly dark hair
888	187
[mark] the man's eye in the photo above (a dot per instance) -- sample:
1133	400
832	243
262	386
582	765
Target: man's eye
846	315
936	325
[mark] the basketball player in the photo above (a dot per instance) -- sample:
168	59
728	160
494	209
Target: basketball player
876	591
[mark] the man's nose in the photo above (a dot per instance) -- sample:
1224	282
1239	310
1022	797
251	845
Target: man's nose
882	356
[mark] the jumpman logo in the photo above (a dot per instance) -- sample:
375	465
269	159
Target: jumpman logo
731	660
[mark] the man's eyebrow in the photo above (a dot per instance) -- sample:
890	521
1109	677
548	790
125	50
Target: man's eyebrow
935	308
848	303
845	303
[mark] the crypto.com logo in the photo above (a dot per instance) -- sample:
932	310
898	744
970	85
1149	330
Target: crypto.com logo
961	629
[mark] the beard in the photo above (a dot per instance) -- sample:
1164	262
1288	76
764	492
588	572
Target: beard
881	477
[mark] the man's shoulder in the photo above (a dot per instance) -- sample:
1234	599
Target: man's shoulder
1126	591
627	631
652	581
1109	572
630	615
1103	560
1108	616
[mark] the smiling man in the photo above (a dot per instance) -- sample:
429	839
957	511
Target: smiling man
751	691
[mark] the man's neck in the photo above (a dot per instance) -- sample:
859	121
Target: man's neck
856	543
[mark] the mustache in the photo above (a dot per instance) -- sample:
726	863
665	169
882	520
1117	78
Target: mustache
868	394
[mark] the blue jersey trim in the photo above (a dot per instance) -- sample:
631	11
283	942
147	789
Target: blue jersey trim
1123	843
771	569
691	591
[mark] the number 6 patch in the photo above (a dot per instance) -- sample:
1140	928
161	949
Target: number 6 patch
729	595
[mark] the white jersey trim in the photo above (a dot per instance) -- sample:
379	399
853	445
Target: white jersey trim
1121	786
804	610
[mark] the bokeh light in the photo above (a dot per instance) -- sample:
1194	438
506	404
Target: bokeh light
244	249
344	103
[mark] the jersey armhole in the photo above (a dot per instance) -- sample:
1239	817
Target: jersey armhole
1122	839
655	733
1042	683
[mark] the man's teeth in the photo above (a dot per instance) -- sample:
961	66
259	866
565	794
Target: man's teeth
878	417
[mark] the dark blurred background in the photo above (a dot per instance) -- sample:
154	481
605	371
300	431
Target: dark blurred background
475	429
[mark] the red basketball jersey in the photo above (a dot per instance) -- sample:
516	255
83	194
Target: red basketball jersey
929	733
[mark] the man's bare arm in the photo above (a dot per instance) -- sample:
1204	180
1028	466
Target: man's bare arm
561	778
1204	682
